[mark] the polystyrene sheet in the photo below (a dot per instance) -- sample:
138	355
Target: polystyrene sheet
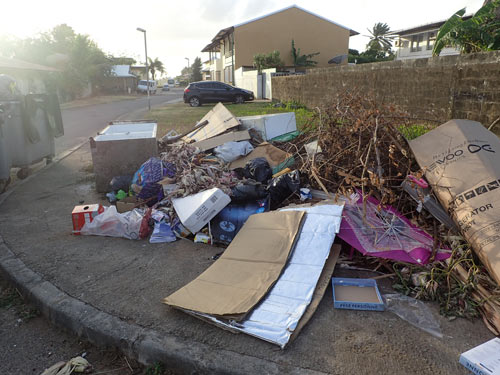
277	316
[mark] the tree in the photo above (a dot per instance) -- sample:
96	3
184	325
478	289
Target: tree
302	60
196	70
268	60
481	32
155	66
122	60
379	38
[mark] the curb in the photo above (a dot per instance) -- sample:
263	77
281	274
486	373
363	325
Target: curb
145	345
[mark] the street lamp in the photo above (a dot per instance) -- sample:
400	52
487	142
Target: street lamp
189	78
147	69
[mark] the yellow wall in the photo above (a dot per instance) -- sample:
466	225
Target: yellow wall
275	32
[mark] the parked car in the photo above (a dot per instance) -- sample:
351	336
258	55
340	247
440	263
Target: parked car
165	87
143	88
197	93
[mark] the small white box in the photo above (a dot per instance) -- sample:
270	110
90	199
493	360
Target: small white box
270	126
483	359
195	211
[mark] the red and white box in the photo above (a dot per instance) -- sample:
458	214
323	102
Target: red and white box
84	214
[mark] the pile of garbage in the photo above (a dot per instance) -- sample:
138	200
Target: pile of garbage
359	175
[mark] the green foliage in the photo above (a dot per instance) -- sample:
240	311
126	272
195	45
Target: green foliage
78	58
369	56
481	32
379	38
156	369
302	60
155	66
413	131
122	60
196	70
268	60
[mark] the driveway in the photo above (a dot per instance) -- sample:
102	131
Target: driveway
84	122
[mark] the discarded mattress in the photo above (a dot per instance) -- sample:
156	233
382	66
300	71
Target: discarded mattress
277	316
245	272
386	233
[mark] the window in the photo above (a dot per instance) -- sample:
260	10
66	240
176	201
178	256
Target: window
417	42
431	38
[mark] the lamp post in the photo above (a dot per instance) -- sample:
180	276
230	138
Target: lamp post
189	78
147	68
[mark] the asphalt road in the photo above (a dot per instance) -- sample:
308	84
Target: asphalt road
84	122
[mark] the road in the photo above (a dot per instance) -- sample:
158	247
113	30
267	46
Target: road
84	122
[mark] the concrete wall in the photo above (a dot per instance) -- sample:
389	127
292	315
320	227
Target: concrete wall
446	87
252	80
275	32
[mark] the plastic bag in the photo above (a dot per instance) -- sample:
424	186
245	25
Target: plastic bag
113	224
248	192
258	169
282	187
414	312
120	183
230	151
162	233
144	182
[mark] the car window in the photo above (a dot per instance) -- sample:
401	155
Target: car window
202	85
220	86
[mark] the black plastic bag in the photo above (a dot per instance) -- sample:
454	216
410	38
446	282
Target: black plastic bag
282	187
248	192
258	169
120	183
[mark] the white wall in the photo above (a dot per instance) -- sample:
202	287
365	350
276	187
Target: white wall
253	81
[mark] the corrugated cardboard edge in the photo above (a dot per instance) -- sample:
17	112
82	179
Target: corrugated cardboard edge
213	142
239	317
219	119
319	292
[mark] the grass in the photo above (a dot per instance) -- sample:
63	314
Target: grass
10	298
181	117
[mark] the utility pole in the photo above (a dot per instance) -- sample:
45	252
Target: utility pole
147	68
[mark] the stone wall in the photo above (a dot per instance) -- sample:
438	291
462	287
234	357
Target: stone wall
439	88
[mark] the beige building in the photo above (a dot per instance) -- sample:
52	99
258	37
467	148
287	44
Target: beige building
235	46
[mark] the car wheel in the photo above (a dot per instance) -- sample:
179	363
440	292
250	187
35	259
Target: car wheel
239	99
194	101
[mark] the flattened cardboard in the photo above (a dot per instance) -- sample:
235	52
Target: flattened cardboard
319	292
210	143
246	271
127	204
273	155
219	121
461	159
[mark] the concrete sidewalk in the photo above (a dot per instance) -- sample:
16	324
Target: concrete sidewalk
109	290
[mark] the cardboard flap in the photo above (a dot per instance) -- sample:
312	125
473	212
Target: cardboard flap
219	120
273	155
245	272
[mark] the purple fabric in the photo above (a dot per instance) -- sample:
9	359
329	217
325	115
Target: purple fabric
386	233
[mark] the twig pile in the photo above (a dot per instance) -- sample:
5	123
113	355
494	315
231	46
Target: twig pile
362	148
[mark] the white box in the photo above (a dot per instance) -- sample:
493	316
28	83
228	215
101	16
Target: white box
483	359
270	126
195	211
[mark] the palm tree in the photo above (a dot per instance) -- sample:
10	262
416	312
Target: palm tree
155	66
379	38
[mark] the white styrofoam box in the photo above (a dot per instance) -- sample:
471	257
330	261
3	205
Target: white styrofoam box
270	126
127	130
120	149
195	211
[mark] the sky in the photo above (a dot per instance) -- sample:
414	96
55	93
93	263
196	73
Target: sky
177	30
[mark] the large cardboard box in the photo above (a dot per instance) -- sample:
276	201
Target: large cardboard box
195	211
461	159
120	149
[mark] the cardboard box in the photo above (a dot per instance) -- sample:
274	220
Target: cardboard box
219	121
356	294
483	359
276	158
195	211
210	143
270	126
461	159
127	204
84	214
227	223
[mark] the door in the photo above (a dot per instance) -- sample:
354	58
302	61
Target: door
223	93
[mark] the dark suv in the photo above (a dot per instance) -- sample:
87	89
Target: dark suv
201	92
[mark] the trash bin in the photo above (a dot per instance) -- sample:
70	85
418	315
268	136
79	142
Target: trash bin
28	135
5	162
